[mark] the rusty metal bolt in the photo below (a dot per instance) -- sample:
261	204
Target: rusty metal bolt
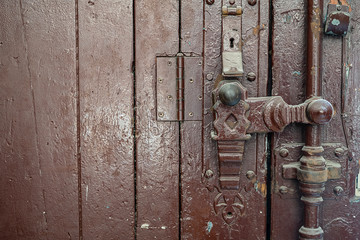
339	152
338	190
250	175
284	152
252	2
251	76
209	76
283	190
209	173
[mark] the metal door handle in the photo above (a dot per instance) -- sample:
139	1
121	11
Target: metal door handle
237	116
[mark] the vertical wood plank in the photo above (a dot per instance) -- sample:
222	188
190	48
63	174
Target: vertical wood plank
193	191
38	121
289	72
157	142
341	58
106	112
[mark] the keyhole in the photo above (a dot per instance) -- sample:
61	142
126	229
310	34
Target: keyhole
232	42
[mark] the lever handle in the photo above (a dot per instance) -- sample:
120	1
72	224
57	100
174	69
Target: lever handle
237	116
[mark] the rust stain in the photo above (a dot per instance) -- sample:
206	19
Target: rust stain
315	24
343	2
256	30
313	71
261	188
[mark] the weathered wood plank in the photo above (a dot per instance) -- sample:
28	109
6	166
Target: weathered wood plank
193	225
38	121
157	142
106	112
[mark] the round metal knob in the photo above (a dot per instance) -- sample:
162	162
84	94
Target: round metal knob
320	111
230	94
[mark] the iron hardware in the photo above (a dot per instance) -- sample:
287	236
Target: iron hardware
337	20
231	52
237	116
179	92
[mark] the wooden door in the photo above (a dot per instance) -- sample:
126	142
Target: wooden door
107	121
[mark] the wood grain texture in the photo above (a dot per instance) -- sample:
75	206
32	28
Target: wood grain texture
194	216
106	115
38	121
289	73
157	153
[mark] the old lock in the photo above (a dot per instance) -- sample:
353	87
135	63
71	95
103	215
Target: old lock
337	20
237	116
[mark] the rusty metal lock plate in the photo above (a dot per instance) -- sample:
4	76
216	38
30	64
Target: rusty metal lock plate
338	20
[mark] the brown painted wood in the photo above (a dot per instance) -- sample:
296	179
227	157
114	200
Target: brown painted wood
38	121
106	115
339	214
157	153
194	216
199	173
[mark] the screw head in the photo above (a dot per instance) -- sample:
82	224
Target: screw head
284	152
191	80
210	2
339	152
191	114
170	97
209	173
160	114
251	76
232	2
250	175
283	190
209	76
252	2
338	190
160	80
338	7
169	63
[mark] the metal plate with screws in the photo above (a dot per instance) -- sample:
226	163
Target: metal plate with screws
166	89
287	153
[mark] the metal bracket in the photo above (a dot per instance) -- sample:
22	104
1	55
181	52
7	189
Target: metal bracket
179	88
337	20
287	164
231	43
